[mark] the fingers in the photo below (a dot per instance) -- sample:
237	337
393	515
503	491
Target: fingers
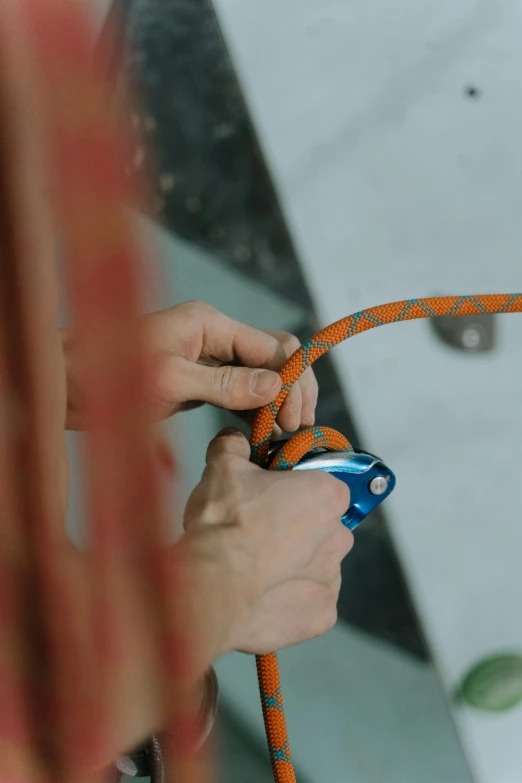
208	357
310	392
289	418
344	541
216	488
337	494
229	441
298	410
282	620
182	381
199	332
236	388
231	342
326	563
226	340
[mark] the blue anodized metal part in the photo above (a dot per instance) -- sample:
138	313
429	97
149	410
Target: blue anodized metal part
369	479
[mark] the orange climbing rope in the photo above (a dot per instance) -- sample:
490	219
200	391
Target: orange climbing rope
299	445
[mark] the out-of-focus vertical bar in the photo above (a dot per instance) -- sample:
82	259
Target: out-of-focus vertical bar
130	561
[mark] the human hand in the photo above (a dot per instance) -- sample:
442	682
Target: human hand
278	541
200	355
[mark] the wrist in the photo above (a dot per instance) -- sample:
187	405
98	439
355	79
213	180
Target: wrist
217	597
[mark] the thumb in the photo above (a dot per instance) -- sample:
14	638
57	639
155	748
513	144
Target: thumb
234	388
228	441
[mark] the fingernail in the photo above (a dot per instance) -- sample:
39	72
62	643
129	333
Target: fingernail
263	382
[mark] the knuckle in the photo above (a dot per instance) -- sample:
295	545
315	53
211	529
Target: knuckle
222	465
314	490
339	494
320	482
290	342
311	381
348	540
331	617
164	382
196	314
223	378
307	419
230	432
343	543
195	307
291	406
230	445
209	512
333	492
336	585
326	618
338	544
226	468
196	503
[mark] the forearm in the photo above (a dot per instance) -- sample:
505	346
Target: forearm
215	602
201	613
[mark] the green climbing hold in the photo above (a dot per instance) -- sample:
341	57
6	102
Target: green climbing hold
494	684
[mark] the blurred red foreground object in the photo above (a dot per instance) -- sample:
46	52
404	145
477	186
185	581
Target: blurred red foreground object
69	621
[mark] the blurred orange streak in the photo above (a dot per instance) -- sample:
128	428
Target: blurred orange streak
67	621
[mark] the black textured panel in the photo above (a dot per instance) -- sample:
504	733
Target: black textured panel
213	187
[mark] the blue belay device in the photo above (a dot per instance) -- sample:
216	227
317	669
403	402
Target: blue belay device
370	481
